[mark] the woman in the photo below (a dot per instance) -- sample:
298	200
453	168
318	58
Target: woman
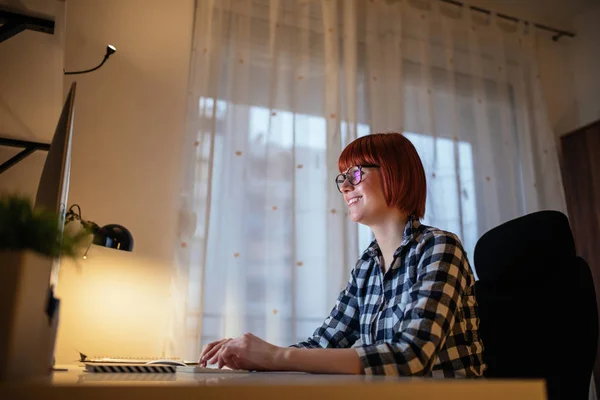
410	298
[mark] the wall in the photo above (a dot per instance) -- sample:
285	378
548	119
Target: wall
31	91
129	121
569	73
586	65
557	82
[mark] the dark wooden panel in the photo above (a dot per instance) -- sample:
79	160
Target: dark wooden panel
581	178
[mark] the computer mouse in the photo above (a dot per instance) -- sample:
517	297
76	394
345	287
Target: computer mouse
168	362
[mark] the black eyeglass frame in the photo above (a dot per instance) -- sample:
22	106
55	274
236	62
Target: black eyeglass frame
347	178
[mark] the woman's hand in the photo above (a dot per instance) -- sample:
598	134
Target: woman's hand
209	352
245	352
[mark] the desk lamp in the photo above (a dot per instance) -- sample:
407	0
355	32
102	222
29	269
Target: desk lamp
113	236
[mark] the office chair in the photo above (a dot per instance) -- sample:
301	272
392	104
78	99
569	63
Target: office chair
537	304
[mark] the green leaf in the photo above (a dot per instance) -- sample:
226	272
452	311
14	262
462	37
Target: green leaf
23	227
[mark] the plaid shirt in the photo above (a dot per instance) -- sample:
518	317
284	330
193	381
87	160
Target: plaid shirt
420	318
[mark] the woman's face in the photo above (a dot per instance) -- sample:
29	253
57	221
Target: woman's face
366	201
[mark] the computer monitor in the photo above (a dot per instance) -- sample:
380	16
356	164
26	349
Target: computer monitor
53	188
30	319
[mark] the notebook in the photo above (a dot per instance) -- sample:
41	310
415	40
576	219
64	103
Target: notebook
114	367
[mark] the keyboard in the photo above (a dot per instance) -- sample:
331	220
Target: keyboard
196	369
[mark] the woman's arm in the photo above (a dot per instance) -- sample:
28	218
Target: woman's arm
339	330
319	361
252	353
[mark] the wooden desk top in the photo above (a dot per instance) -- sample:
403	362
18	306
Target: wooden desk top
78	384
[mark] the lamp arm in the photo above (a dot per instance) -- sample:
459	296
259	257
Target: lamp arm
90	226
88	70
75	215
110	50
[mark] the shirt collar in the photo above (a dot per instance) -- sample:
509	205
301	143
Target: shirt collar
410	230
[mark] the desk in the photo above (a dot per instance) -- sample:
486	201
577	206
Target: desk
78	384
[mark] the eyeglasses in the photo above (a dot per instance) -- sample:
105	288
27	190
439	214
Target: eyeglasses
354	175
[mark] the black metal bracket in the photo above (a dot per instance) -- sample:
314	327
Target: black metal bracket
29	147
14	23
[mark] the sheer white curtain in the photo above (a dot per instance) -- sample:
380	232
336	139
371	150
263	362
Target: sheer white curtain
279	87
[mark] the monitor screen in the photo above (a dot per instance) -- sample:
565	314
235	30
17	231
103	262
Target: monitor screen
53	189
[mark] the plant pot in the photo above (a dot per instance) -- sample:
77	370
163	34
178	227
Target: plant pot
27	333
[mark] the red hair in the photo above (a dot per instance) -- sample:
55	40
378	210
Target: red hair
403	176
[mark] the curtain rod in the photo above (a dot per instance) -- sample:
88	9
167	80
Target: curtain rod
558	32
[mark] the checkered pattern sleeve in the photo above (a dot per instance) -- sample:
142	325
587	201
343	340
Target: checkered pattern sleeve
427	319
342	327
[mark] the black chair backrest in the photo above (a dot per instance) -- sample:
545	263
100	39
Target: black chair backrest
537	304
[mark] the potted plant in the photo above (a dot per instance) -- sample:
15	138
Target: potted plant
32	240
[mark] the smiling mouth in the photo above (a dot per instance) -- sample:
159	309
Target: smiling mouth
353	201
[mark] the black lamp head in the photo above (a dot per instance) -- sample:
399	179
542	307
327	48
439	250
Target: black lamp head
110	49
114	236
